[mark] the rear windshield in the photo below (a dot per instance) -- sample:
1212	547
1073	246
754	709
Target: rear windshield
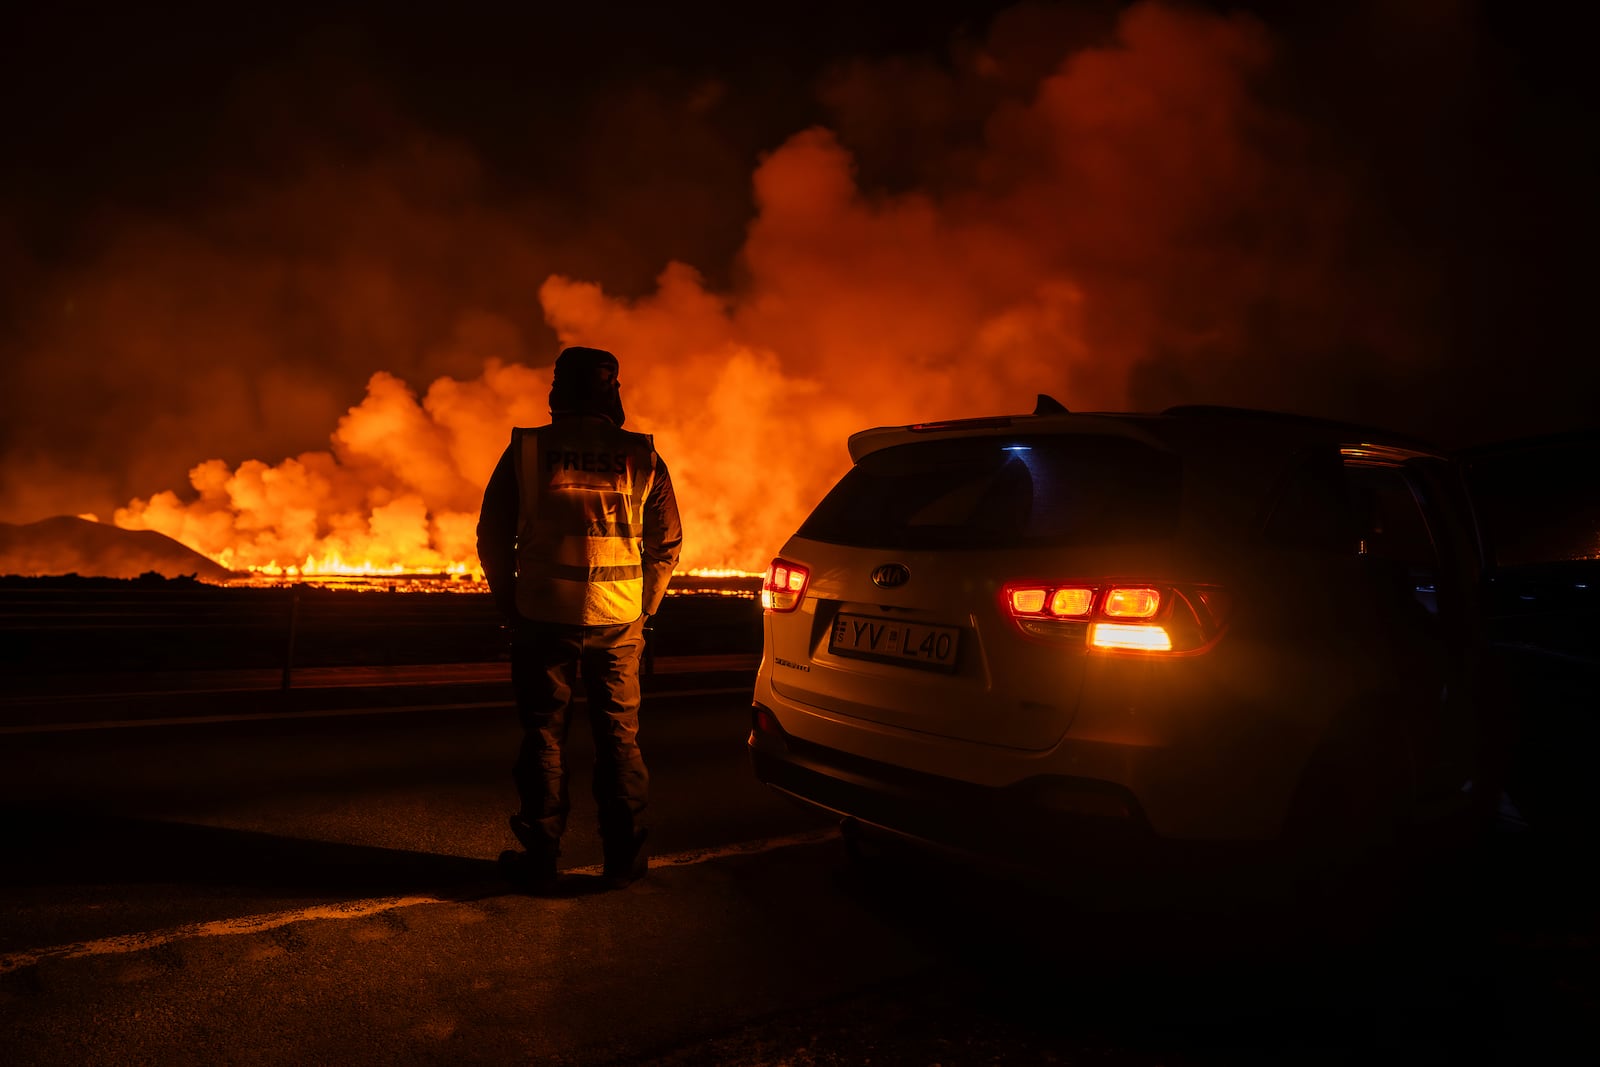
1002	492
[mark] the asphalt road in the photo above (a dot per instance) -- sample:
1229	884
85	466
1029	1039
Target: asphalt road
320	889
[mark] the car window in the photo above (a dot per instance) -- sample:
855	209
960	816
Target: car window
1002	492
1356	510
1388	519
1539	502
1326	505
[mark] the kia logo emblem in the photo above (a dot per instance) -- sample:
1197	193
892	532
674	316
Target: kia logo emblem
890	575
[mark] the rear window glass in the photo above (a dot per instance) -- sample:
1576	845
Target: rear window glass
1002	492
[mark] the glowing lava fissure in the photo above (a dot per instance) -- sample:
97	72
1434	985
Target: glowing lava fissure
710	582
398	491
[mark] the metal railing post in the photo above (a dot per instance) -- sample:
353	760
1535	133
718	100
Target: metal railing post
294	625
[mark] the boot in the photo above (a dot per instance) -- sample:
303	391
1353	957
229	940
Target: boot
534	871
626	861
527	873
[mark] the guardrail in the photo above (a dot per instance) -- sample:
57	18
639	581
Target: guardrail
63	627
45	629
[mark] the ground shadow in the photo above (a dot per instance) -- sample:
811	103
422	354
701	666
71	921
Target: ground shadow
94	848
1460	967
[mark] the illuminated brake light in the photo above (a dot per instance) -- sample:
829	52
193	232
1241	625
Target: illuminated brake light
1140	637
1071	602
784	586
1131	603
1028	601
1158	618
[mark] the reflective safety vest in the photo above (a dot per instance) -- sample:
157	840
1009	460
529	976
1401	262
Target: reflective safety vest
580	523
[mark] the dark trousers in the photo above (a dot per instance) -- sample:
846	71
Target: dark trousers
545	660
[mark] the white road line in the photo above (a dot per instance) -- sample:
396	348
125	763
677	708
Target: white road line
246	924
330	713
353	909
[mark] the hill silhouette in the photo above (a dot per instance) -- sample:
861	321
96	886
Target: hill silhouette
66	544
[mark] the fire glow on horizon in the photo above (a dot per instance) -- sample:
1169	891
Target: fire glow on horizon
1122	222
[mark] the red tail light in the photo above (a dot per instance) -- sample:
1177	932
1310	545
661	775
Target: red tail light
1132	602
784	586
1127	616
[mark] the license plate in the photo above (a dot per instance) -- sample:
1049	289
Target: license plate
912	644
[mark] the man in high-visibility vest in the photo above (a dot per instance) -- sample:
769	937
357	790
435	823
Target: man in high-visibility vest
578	537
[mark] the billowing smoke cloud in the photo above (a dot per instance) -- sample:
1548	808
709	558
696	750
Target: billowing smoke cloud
398	490
237	305
1135	222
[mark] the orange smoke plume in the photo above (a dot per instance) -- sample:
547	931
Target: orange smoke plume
1110	241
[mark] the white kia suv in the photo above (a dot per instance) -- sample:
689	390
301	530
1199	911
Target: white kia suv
1010	636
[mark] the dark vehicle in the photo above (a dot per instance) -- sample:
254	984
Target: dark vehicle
1014	636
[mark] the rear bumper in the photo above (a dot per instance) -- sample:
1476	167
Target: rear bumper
1188	760
1039	822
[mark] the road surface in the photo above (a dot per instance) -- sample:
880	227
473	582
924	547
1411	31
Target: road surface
276	885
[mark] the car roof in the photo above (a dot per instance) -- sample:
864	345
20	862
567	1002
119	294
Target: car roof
1182	428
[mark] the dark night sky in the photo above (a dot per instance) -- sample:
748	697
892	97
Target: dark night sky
217	223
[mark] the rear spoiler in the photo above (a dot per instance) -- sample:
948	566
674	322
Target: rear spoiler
863	443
